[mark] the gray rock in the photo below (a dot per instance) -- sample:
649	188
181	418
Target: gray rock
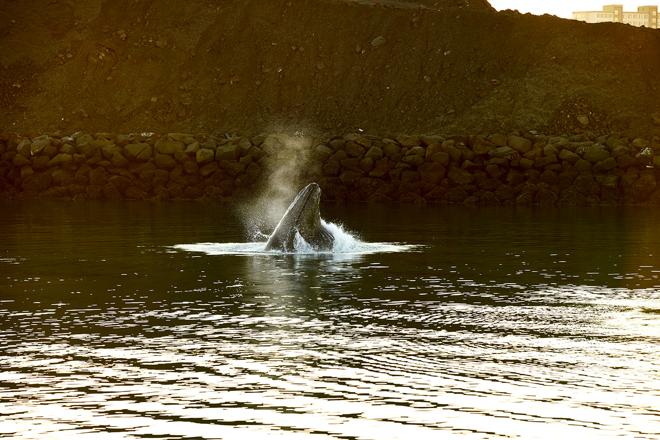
253	171
354	149
409	176
98	176
605	165
520	144
322	151
608	180
244	145
37	182
375	153
167	145
118	160
67	148
414	156
182	137
38	144
583	120
502	152
454	153
62	177
430	140
272	144
441	157
23	148
190	167
26	171
351	163
348	177
408	141
459	176
481	145
331	167
499	140
209	168
550	150
568	155
432	172
204	155
109	149
378	41
593	153
164	161
358	139
391	149
625	161
140	152
381	168
583	166
545	197
586	184
550	177
125	139
193	147
366	164
82	175
337	144
229	151
61	159
640	143
20	160
620	150
88	149
40	162
82	139
494	170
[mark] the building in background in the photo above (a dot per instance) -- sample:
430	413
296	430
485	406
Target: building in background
645	16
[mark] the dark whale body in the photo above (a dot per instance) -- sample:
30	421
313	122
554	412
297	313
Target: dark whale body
302	216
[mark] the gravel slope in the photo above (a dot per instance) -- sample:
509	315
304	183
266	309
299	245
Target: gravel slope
319	65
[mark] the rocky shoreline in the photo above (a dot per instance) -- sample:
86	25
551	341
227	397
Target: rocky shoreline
499	169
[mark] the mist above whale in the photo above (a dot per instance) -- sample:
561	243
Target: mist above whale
304	218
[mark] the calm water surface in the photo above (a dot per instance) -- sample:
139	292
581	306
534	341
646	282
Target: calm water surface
500	323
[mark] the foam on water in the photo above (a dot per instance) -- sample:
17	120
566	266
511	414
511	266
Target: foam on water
345	244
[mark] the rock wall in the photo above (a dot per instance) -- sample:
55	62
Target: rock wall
520	168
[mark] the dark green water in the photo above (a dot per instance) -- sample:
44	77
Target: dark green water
500	323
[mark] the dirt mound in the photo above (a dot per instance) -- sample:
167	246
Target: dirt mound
321	65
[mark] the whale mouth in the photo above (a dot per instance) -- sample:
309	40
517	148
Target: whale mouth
313	190
301	217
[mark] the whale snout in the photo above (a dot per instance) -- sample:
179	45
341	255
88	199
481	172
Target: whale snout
302	217
312	189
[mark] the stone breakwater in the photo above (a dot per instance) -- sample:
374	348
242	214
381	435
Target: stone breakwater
515	169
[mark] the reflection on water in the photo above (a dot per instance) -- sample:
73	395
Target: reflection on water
499	323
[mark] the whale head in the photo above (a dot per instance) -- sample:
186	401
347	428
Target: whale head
304	217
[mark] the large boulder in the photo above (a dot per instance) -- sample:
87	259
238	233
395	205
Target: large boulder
594	153
520	144
167	145
140	152
204	155
39	144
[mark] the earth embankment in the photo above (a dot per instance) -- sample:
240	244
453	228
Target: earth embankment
321	65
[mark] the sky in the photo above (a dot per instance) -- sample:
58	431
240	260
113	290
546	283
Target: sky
565	8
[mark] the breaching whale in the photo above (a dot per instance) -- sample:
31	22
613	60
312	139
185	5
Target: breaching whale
302	216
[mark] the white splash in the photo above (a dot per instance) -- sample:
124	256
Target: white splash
345	244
